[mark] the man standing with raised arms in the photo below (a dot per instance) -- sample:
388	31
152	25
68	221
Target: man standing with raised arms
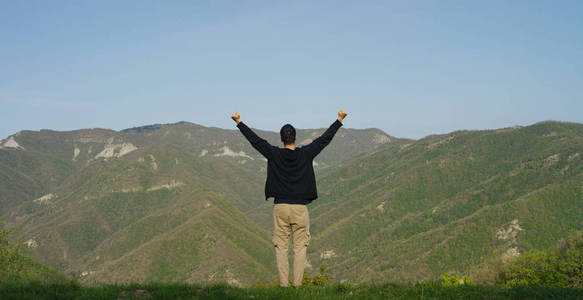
292	184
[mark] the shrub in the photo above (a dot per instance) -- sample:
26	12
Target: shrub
559	266
322	279
10	259
455	280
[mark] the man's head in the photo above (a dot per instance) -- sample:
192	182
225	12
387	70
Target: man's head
288	134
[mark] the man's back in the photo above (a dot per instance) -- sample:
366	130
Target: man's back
290	173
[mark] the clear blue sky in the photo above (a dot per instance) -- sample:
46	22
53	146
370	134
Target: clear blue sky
410	68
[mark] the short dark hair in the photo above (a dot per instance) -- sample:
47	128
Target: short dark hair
288	134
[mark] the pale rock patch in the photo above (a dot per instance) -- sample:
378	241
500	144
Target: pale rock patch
380	139
31	243
116	150
434	210
130	190
11	143
171	185
211	276
510	233
404	146
231	279
564	170
381	207
90	150
141	159
87	273
551	160
234	282
45	200
573	156
154	162
510	253
442	163
207	205
327	254
203	153
126	148
76	152
228	152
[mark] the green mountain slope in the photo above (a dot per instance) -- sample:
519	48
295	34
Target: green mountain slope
450	203
177	202
114	212
183	202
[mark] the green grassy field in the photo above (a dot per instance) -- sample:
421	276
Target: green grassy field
342	291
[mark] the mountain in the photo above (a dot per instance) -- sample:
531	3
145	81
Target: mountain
449	203
172	202
184	202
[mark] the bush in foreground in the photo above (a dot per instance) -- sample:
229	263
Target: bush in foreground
559	266
16	266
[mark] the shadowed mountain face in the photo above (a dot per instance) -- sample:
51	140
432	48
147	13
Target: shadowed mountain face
183	202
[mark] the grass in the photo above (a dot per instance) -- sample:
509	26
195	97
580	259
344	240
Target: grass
435	290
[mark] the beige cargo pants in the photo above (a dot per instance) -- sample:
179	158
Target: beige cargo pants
288	219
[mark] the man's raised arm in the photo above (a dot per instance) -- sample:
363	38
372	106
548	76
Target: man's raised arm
315	147
258	143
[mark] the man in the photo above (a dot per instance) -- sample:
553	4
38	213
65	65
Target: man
292	184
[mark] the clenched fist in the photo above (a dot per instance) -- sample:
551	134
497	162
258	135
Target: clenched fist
341	115
236	117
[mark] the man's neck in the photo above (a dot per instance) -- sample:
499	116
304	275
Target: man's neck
291	147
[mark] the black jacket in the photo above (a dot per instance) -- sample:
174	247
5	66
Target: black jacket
290	173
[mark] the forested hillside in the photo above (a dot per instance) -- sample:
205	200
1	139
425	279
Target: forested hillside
450	203
178	202
183	202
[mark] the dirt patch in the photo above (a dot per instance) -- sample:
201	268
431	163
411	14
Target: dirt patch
328	254
171	185
76	152
45	200
11	143
228	152
116	150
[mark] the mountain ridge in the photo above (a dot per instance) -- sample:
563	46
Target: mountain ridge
185	202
